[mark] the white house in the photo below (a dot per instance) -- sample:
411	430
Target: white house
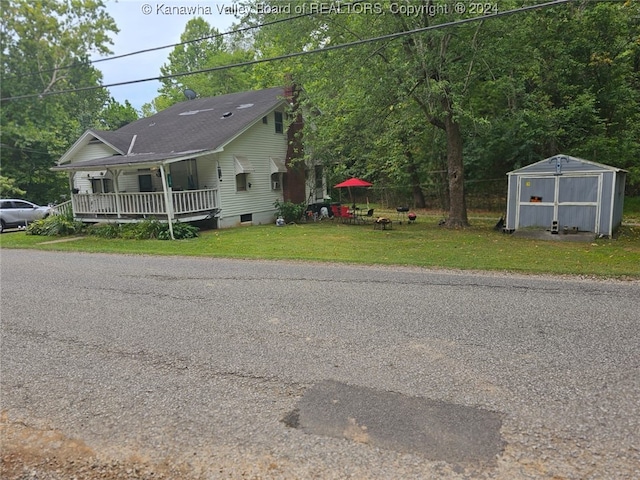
227	158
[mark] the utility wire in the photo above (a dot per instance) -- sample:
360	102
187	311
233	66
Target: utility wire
391	36
186	42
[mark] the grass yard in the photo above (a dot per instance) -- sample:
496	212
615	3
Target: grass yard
423	244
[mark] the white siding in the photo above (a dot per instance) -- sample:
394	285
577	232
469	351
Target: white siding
91	151
257	144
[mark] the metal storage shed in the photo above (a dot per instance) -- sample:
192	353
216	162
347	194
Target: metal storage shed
566	192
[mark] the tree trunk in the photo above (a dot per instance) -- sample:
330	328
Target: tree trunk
455	168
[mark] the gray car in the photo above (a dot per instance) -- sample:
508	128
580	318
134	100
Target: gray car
19	213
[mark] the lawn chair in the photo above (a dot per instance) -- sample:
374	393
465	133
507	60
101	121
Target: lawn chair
345	214
335	211
369	215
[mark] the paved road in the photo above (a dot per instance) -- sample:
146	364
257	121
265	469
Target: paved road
200	368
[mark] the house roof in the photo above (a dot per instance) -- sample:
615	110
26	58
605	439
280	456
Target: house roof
568	164
187	128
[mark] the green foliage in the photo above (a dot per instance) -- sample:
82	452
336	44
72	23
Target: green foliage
214	50
289	211
479	247
181	231
8	188
55	226
114	115
146	230
47	37
105	230
521	88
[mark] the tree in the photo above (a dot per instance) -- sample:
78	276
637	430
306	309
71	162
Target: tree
115	115
45	48
503	92
8	188
202	47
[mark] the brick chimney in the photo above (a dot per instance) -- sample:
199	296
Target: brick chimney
294	181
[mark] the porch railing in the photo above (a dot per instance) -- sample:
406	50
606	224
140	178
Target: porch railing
152	203
64	208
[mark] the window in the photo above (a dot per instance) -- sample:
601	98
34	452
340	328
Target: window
318	174
241	182
246	217
145	183
101	185
265	120
276	181
279	122
184	175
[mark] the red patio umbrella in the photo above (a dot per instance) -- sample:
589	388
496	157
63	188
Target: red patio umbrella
353	182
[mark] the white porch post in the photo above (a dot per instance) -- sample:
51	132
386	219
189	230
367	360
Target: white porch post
116	188
168	199
71	187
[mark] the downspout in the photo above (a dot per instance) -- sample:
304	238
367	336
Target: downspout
168	199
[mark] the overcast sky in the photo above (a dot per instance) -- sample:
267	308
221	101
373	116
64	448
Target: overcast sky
146	24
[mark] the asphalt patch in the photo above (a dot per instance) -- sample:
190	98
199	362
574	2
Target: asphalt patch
437	430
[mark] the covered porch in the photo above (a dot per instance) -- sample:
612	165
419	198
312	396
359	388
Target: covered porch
187	206
132	188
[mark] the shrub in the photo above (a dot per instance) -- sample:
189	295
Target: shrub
291	212
146	230
104	230
55	225
180	231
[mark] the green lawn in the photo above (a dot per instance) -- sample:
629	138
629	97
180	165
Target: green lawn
423	244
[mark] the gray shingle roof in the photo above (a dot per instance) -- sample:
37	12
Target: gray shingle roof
203	124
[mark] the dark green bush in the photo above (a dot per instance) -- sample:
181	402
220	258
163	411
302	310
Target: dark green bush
291	212
146	230
105	230
55	225
180	231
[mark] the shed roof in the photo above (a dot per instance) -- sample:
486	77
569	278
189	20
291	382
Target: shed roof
569	164
189	127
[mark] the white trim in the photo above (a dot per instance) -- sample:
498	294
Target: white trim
614	187
596	227
133	142
556	204
601	166
81	143
168	198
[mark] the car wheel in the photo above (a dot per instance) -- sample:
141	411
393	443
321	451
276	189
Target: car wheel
2	227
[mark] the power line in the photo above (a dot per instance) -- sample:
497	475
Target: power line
391	36
186	42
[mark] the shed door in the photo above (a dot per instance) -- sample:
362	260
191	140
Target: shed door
572	201
536	202
578	202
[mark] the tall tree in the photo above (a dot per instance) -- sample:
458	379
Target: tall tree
115	115
502	91
202	47
45	48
